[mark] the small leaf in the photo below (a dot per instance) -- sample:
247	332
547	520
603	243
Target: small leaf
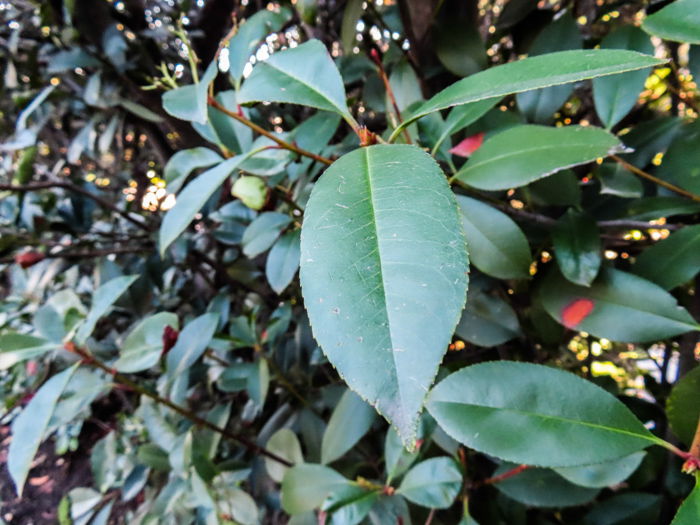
190	102
184	162
618	306
29	427
673	261
689	512
351	419
537	72
615	96
461	117
683	406
286	445
263	232
191	199
577	247
306	486
679	22
497	245
283	261
191	344
348	28
15	348
487	320
468	145
252	191
303	75
523	154
103	298
349	504
616	180
143	346
541	487
605	474
433	483
384	274
569	421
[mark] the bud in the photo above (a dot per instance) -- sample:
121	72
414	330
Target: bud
170	336
29	258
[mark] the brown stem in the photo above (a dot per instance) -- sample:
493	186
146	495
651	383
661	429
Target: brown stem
88	254
390	92
262	131
502	477
641	173
185	412
76	189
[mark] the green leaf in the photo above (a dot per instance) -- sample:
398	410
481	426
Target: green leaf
348	28
190	102
283	261
487	320
615	96
396	458
568	421
551	69
191	344
384	274
263	232
459	47
249	34
559	189
306	486
191	199
286	445
524	154
15	348
561	35
143	346
103	298
232	134
689	513
683	406
672	261
351	420
541	487
616	180
577	247
678	22
185	162
605	474
630	508
497	245
252	191
461	117
681	163
29	427
618	306
432	483
303	75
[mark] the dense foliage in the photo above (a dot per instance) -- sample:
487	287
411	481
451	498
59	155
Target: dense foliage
493	211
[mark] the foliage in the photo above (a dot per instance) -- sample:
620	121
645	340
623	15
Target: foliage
494	219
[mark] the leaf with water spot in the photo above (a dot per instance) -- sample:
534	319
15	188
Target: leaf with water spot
384	274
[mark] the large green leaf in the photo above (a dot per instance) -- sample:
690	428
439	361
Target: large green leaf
306	486
523	154
679	22
689	513
143	346
551	69
191	344
681	163
497	245
673	261
541	487
432	483
102	300
303	75
618	306
683	406
615	96
577	247
15	348
568	421
605	474
351	420
384	274
191	199
29	427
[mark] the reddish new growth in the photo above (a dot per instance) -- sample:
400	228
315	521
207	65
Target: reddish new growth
468	145
170	336
575	312
30	258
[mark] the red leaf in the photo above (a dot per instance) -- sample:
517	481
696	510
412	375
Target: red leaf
468	145
27	259
170	336
575	312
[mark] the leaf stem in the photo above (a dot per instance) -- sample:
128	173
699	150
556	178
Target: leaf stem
390	92
90	359
641	173
262	131
502	477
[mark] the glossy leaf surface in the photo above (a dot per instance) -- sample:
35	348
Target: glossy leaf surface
673	261
577	247
679	21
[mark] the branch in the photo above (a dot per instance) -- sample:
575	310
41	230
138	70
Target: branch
502	477
262	131
90	359
641	173
35	186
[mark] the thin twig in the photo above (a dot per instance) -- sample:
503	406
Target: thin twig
641	173
262	131
389	91
90	359
502	477
75	189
